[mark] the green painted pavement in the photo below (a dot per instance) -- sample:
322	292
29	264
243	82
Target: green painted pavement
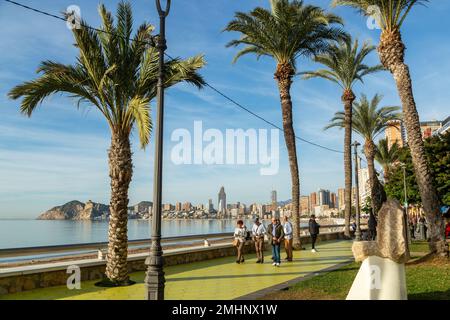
218	279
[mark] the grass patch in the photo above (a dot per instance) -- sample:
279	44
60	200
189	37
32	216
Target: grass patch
428	280
419	246
333	285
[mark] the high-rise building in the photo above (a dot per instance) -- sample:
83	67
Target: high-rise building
274	197
168	207
178	206
341	199
324	197
396	133
210	205
304	205
333	200
428	128
222	202
312	201
187	206
364	186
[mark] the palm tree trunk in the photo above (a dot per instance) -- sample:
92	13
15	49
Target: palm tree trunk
120	172
391	51
377	193
348	98
283	75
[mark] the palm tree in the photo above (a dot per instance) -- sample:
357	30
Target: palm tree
369	121
386	157
390	17
288	31
117	75
345	66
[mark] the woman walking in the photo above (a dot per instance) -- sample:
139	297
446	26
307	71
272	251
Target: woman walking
240	234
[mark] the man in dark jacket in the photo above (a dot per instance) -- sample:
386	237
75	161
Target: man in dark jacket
275	234
313	231
372	225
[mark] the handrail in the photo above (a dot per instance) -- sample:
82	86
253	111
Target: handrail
28	251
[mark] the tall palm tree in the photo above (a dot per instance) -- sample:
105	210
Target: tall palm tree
390	17
369	121
118	76
386	157
345	66
286	32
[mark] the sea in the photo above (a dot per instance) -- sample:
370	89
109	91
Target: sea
36	233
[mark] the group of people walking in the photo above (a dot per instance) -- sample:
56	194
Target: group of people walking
420	226
276	233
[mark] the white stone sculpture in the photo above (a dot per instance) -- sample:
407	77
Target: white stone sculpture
382	273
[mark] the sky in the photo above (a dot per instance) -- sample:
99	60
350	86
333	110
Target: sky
60	153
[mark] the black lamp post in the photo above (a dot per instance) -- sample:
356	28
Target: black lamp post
154	279
356	144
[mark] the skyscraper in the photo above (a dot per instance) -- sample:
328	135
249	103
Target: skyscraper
274	199
304	205
396	133
210	205
222	202
324	197
341	199
312	201
333	200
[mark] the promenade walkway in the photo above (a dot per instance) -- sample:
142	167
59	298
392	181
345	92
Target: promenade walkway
218	279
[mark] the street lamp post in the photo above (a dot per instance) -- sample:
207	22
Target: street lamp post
356	144
154	279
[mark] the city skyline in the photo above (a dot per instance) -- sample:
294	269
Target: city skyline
60	154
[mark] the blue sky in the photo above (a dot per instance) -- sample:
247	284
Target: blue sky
59	154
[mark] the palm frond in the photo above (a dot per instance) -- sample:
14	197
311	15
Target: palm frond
288	30
114	71
392	12
344	63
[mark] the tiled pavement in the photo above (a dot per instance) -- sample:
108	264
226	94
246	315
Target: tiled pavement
220	279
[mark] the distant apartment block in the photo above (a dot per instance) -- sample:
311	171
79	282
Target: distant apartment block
312	201
304	205
396	133
324	197
341	199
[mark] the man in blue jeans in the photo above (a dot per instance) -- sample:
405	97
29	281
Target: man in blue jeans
275	234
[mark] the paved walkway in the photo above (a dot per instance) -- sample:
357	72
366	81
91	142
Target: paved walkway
218	279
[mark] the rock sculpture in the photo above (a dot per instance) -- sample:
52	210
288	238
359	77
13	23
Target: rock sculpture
382	273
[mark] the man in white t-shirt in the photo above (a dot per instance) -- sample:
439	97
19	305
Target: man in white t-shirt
288	236
258	231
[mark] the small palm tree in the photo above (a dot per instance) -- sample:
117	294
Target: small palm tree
118	76
390	16
345	66
386	156
288	31
369	121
